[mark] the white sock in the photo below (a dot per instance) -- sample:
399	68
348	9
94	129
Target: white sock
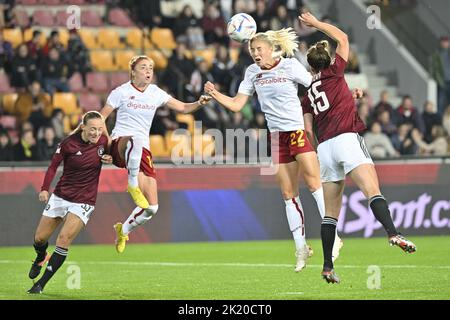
138	217
318	196
133	155
296	220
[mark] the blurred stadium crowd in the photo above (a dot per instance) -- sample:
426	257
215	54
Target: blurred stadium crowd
50	75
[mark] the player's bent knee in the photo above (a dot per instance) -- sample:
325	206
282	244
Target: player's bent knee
151	210
288	194
64	240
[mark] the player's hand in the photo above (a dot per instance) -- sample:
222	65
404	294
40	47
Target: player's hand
106	158
204	99
209	88
308	19
357	93
43	196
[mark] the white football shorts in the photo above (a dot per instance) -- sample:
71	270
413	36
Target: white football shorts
58	207
340	155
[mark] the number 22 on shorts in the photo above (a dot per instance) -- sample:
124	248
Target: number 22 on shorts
297	137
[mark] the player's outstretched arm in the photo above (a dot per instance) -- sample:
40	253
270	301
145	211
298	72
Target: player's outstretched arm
234	104
183	107
332	31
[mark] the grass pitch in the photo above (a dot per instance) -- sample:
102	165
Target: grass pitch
255	270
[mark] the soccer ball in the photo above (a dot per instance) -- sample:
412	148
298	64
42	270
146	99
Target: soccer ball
241	27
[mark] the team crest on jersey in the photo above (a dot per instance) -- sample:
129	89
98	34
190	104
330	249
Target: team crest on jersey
132	97
259	76
101	151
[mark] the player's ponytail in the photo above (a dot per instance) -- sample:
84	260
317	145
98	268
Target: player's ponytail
284	42
86	117
318	56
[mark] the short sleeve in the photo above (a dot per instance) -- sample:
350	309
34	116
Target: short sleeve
164	96
114	98
300	74
338	65
247	87
306	105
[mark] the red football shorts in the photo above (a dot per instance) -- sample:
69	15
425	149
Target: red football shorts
286	145
146	162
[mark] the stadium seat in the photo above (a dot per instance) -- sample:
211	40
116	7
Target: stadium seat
135	39
27	2
51	2
188	119
14	36
207	54
90	18
122	58
67	102
118	78
97	82
5	86
64	36
9	101
8	122
208	145
76	83
109	39
102	60
43	18
90	102
22	19
61	18
120	18
181	142
163	38
28	34
160	59
158	146
78	2
234	54
88	38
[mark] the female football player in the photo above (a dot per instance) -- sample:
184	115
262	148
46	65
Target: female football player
74	197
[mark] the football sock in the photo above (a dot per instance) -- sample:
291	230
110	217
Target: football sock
327	233
296	220
41	250
138	217
381	212
133	155
318	196
57	259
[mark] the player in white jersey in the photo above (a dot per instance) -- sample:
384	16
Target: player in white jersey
275	80
136	102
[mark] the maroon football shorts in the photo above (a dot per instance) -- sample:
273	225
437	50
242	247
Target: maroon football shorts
146	166
288	144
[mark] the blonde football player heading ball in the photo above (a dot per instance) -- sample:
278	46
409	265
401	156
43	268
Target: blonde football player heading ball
136	102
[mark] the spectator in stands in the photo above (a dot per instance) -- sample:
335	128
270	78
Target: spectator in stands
6	148
378	144
387	125
187	24
438	146
446	119
403	142
352	62
78	57
363	112
292	7
6	13
223	68
383	105
164	121
46	146
25	149
148	12
214	26
34	106
179	70
281	19
6	54
301	53
57	122
246	6
34	46
430	118
406	113
261	16
200	76
54	70
24	69
439	68
53	42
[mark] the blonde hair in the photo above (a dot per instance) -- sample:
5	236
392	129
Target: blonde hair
86	117
135	60
284	42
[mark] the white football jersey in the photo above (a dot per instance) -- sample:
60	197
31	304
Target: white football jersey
135	110
277	92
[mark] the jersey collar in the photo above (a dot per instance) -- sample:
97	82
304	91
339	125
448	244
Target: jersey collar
277	62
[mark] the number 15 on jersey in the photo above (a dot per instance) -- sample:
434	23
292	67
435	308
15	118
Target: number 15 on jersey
319	100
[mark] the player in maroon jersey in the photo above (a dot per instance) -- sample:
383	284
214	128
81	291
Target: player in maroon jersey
330	107
74	197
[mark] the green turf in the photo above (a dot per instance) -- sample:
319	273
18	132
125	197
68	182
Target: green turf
235	270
